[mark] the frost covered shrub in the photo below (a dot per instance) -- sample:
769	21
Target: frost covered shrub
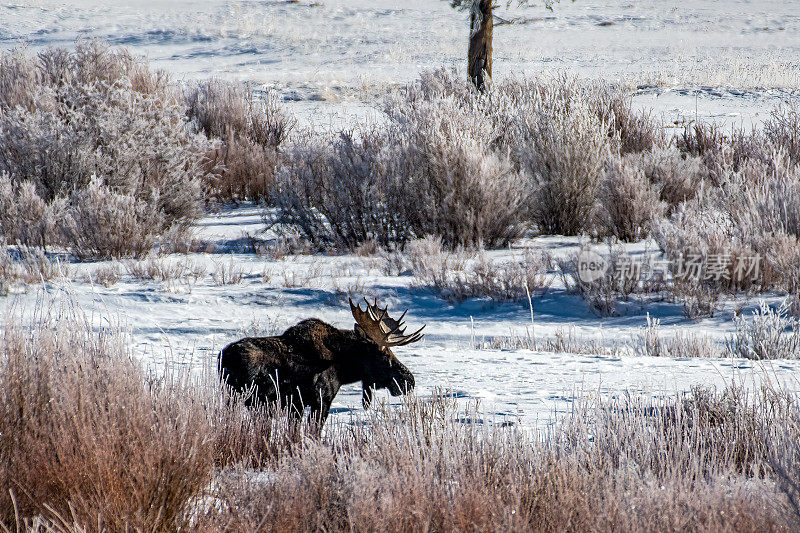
627	202
696	231
711	145
19	79
567	150
768	334
603	295
334	191
632	131
250	131
95	116
558	134
554	135
751	218
446	177
676	176
24	216
782	129
429	171
751	153
102	222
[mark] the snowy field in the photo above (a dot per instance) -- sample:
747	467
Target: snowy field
730	61
186	323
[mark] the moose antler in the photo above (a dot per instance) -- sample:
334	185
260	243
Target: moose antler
381	328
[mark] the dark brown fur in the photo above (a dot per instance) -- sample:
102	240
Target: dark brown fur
307	364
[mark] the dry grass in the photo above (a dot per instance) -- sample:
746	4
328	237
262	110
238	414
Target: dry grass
562	341
164	269
697	463
768	334
683	343
90	441
228	273
461	274
84	432
26	266
106	275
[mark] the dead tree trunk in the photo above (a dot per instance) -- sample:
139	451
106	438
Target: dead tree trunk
480	43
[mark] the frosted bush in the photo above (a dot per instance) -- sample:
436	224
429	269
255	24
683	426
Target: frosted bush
554	135
677	176
97	113
752	221
568	151
250	131
429	171
102	222
462	274
431	264
24	216
628	203
768	334
782	129
770	205
19	79
632	131
604	293
446	177
334	192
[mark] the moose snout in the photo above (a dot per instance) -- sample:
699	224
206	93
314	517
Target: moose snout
402	382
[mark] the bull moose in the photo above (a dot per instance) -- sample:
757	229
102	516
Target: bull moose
309	362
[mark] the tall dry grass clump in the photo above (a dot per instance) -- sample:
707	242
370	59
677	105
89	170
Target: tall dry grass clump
91	440
250	129
85	434
95	154
767	334
703	462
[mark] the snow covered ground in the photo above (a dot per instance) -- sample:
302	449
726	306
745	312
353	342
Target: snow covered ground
186	323
730	61
727	60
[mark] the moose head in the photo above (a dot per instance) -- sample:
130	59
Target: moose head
381	368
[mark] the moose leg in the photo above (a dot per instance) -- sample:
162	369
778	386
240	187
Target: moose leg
326	385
